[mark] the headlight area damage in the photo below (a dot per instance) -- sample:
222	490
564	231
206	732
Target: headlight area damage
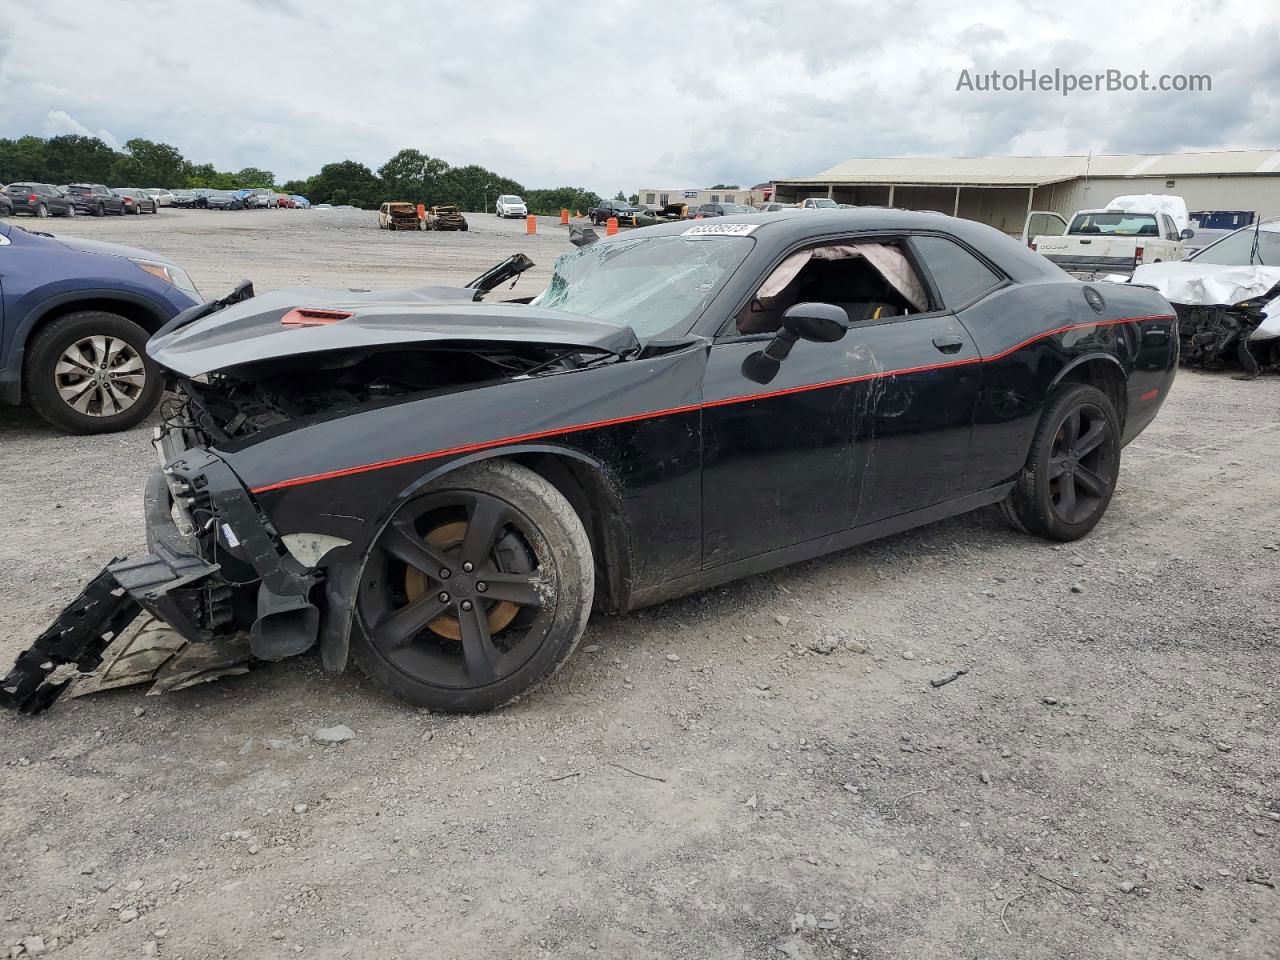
223	585
1225	313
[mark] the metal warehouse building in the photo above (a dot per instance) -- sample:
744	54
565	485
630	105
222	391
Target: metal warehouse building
1000	191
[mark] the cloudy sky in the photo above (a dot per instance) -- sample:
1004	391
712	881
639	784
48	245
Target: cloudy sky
619	95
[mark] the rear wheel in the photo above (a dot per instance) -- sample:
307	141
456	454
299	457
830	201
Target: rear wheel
42	211
476	591
100	211
88	372
1071	472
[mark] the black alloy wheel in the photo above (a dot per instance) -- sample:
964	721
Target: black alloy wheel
1080	464
1071	471
475	591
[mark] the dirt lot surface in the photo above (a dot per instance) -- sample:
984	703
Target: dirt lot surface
759	771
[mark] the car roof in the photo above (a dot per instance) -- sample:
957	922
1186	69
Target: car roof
793	225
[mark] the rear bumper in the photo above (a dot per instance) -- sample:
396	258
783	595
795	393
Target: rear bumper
1093	268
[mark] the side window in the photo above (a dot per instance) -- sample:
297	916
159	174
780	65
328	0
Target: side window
1170	230
1044	225
871	280
961	277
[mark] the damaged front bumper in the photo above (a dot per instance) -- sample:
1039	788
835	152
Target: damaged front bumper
223	584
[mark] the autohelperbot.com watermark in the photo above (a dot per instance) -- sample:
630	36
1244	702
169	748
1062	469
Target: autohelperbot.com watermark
1065	82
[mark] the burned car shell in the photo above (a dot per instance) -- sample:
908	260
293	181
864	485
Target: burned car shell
686	471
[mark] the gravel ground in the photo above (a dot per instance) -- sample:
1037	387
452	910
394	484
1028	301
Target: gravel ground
762	770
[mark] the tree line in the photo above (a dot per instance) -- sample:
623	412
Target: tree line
409	175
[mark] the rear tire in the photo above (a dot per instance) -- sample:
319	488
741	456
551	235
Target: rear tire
49	377
1071	471
42	212
526	616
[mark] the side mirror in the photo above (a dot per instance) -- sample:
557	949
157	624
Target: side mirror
816	322
1187	233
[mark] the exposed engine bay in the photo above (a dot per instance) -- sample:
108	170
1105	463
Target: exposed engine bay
1216	336
224	406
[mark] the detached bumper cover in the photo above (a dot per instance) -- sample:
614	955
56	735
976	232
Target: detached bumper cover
176	584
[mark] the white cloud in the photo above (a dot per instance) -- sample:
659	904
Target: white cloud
59	122
635	92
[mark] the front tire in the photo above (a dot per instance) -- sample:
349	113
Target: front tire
1071	471
476	591
88	372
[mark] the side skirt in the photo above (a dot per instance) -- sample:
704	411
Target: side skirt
799	552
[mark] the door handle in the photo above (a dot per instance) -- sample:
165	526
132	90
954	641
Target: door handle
948	344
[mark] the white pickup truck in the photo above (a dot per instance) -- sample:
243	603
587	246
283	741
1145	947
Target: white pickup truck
1127	233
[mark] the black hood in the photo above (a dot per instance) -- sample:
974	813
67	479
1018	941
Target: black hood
252	331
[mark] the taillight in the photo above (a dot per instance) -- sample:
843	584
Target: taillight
32	198
1033	245
308	317
1137	254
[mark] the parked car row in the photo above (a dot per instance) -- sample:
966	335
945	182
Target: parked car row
259	198
97	200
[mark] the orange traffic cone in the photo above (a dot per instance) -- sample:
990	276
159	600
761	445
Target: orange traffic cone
531	224
564	218
611	227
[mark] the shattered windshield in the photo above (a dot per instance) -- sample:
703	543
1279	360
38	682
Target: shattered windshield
651	284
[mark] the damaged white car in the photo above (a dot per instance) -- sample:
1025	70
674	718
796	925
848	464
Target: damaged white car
1227	298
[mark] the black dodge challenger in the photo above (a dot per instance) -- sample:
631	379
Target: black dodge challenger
445	486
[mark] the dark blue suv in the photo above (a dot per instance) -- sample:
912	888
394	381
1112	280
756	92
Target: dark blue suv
75	316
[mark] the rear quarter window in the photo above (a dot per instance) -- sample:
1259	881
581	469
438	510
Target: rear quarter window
961	277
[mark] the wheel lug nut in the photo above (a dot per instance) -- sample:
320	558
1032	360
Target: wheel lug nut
445	573
444	597
482	586
467	567
466	604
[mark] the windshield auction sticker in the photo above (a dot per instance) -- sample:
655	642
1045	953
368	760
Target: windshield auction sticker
720	230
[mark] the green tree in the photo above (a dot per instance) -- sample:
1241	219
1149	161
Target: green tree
550	202
23	159
76	159
156	164
404	175
346	182
724	186
253	177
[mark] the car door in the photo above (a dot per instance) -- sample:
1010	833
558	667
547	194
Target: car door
916	415
872	426
1042	223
